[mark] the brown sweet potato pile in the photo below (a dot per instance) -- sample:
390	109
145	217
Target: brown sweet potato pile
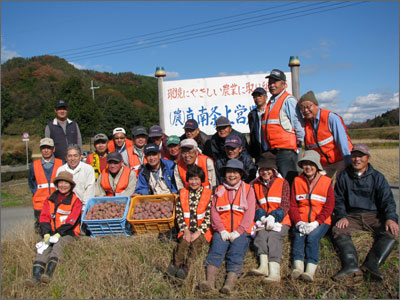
152	210
106	210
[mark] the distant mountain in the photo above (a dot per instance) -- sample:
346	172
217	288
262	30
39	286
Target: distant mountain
389	118
30	88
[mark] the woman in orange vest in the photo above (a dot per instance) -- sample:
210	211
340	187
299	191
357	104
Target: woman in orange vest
272	218
311	206
193	210
232	218
59	224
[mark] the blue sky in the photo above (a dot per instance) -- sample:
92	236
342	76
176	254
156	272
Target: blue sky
349	55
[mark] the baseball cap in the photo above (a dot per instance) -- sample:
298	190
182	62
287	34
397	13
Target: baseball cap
361	148
118	130
61	103
151	148
191	124
189	143
259	90
222	121
46	142
155	131
114	156
100	137
138	130
233	141
173	140
277	74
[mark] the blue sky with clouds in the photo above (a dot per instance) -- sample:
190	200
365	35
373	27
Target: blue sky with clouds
349	51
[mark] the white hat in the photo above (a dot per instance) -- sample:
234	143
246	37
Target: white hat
189	143
118	130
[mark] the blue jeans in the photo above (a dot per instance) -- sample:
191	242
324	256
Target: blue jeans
286	161
232	252
308	244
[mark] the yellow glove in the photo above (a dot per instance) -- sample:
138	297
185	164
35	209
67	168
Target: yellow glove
46	237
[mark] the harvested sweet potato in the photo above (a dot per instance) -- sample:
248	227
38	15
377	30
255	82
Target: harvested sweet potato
153	210
106	210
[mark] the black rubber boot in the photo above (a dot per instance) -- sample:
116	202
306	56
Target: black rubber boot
348	256
51	265
377	255
38	270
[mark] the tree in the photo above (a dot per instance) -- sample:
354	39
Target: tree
7	108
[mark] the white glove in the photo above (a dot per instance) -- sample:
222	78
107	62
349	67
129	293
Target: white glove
263	219
309	227
224	235
301	227
44	247
270	222
54	238
233	236
39	245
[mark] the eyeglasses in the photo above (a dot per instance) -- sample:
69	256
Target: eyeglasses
307	107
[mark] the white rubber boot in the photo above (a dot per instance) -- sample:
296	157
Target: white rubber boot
263	268
308	275
274	273
298	268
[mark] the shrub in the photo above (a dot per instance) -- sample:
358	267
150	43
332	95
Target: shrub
16	157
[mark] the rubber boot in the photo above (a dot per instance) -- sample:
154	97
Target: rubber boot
209	284
38	270
229	283
263	268
274	273
298	268
348	256
308	275
51	265
378	255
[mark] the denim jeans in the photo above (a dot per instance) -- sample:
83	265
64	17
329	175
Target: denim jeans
308	244
286	161
232	252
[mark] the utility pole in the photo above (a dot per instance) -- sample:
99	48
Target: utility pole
93	88
160	74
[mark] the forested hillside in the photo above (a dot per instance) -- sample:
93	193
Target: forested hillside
30	88
389	118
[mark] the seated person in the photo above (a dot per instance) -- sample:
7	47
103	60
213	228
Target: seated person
57	226
234	149
189	156
192	131
363	201
157	176
98	159
193	210
156	136
116	179
173	148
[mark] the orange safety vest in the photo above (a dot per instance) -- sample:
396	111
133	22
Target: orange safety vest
310	203
275	135
330	152
134	162
111	145
201	162
121	185
200	211
274	197
231	215
44	187
60	216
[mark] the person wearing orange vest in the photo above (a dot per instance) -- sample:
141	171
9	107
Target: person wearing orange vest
190	155
282	125
59	224
138	159
193	210
41	175
311	206
116	179
121	144
98	159
272	218
326	133
232	218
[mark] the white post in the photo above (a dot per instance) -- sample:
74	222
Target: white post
160	73
27	161
294	64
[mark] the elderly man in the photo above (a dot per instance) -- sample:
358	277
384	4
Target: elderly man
190	155
116	179
192	131
282	125
158	137
121	144
83	174
257	143
98	159
224	129
173	148
363	201
234	149
325	133
139	136
41	176
62	130
157	176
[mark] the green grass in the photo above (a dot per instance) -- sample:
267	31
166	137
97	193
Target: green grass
16	195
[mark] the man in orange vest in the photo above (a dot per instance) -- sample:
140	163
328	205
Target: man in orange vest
98	159
139	137
189	156
116	179
41	175
325	133
282	125
121	144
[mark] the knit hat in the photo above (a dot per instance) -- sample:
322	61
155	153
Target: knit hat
66	176
309	96
313	156
267	160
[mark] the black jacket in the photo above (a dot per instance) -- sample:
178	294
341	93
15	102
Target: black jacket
217	145
255	148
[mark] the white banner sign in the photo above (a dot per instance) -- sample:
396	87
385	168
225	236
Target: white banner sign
205	99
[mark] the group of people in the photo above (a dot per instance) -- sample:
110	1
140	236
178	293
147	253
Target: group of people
231	192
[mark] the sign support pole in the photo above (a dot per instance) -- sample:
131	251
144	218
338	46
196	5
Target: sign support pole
160	73
294	64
